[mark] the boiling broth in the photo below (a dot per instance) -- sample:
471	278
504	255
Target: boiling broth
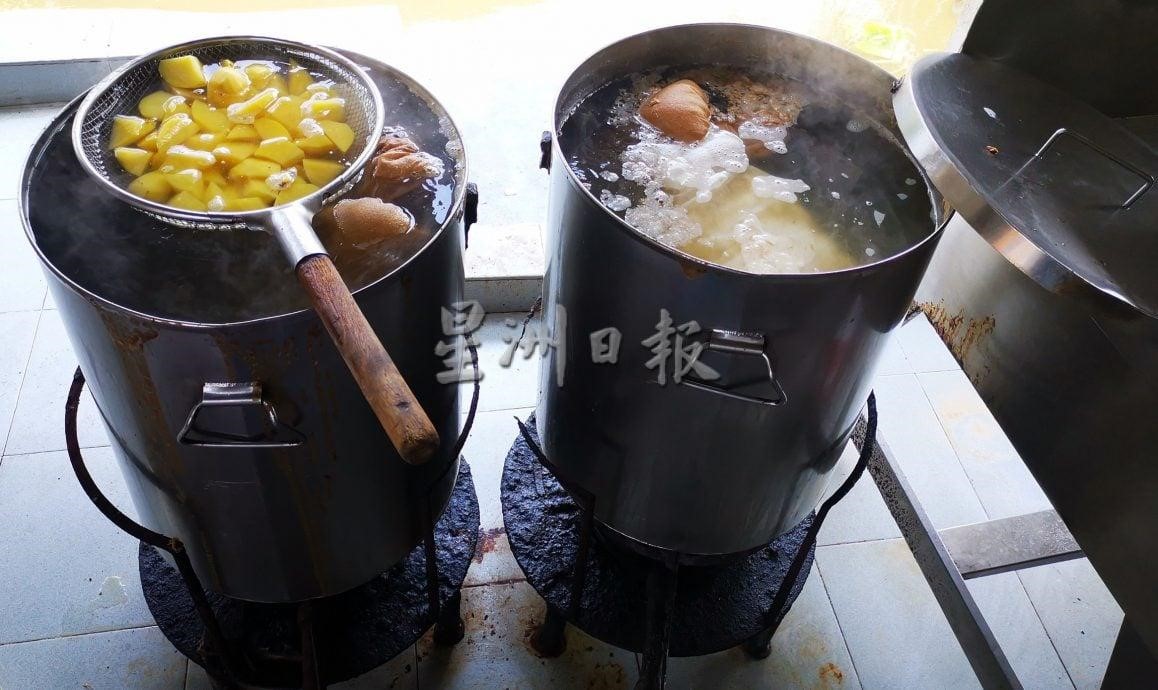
815	187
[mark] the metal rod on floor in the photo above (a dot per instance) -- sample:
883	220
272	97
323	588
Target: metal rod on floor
662	580
215	653
980	646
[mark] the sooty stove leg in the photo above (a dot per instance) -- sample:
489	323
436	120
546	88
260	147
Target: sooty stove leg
449	630
661	595
550	639
759	646
311	678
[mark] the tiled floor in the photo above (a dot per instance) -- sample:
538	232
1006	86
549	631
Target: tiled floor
72	615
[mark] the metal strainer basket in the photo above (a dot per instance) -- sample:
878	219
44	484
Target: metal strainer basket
402	417
120	92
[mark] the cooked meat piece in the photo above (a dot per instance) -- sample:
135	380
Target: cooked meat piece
362	221
679	110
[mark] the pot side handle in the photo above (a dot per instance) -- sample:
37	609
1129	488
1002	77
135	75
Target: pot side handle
740	343
238	396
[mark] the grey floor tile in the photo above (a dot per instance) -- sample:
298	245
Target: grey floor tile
1080	615
513	386
141	659
924	349
493	561
861	515
22	284
21	126
400	673
38	424
808	651
1014	622
17	330
911	429
896	633
76	572
496	652
1002	482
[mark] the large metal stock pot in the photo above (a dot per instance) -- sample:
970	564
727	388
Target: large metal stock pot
691	469
238	427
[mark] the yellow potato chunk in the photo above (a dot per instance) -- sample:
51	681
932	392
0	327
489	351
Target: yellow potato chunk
184	72
268	128
299	80
135	161
187	201
209	119
246	112
205	141
129	129
152	186
294	192
214	176
227	85
243	133
339	133
253	168
279	83
259	189
280	150
233	152
149	143
317	145
320	171
259	74
321	107
212	189
189	180
174	130
181	157
288	111
151	106
174	104
245	203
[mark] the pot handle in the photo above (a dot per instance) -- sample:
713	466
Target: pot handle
545	151
240	395
740	343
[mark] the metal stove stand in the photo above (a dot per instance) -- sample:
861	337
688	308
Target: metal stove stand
657	603
314	643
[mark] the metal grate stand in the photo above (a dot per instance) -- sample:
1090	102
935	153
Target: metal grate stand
656	603
314	643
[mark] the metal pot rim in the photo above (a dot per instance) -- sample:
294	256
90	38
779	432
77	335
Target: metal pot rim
943	213
460	171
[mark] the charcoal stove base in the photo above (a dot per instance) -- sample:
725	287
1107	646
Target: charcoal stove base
353	632
713	607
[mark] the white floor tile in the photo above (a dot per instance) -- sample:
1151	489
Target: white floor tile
1080	615
911	429
892	624
141	659
924	349
894	361
808	651
486	449
21	127
496	652
22	282
505	387
1014	622
38	424
862	514
75	571
17	330
1002	482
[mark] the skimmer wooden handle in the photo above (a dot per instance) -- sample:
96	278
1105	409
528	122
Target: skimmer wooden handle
403	418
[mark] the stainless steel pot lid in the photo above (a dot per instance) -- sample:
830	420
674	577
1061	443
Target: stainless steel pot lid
1062	191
